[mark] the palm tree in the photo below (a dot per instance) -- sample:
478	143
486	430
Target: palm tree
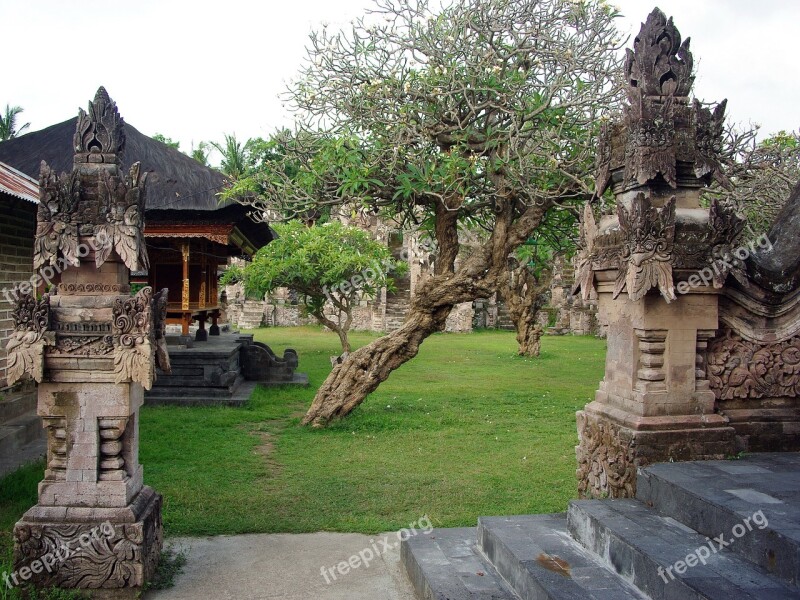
234	156
200	153
8	125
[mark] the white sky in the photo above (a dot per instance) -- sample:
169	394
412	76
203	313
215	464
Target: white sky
195	69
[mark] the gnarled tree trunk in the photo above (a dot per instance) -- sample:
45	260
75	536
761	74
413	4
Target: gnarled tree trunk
340	328
524	294
365	369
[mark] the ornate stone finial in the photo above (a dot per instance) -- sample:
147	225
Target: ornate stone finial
662	138
94	200
659	64
99	133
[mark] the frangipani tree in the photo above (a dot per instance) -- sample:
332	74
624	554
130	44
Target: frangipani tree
331	267
478	113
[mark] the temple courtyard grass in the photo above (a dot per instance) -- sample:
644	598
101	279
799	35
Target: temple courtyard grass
466	429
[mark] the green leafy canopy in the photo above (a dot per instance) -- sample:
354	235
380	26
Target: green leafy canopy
322	262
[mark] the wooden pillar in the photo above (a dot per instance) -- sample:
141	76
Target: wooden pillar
203	278
185	292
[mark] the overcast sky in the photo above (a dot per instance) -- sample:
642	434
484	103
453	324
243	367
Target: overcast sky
195	69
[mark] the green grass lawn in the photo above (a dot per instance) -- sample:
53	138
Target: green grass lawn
466	429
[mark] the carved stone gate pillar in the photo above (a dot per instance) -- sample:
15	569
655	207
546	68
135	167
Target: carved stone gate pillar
92	347
656	267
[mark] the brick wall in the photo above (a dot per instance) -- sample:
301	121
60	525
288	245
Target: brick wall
17	228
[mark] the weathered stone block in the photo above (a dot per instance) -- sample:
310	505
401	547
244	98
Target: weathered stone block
85	550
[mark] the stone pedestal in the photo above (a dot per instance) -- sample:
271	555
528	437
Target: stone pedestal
101	549
654	403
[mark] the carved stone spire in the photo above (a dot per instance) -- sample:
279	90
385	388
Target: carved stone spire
658	65
663	138
94	204
99	133
92	348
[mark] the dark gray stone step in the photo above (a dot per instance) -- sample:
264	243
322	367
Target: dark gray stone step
446	565
653	552
18	432
539	560
713	497
197	396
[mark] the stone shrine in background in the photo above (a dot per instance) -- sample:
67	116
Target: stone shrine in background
93	349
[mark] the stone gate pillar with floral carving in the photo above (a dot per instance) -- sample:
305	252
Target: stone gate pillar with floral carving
92	347
657	266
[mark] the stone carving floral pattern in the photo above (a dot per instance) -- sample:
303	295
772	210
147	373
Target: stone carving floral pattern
92	289
56	231
122	208
646	260
27	342
134	359
740	368
605	461
94	557
584	278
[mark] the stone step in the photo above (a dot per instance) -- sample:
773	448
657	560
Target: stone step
717	496
19	432
445	564
199	396
539	560
664	558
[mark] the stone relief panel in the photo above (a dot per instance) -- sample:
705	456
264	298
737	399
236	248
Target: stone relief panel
740	368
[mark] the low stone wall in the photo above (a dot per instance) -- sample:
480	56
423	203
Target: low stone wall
460	319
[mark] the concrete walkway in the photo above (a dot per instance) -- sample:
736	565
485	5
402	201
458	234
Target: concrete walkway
288	566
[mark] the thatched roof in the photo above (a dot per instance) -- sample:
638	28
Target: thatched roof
178	187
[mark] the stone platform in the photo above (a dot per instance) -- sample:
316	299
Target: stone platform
221	371
664	545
